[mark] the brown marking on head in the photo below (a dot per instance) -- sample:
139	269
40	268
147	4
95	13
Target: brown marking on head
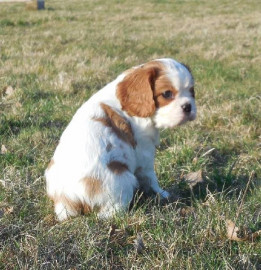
50	164
78	206
117	167
128	71
154	64
119	125
135	92
93	186
146	88
164	92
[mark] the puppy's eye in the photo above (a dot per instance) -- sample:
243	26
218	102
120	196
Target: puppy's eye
167	94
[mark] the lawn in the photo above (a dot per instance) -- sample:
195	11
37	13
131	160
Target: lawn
51	61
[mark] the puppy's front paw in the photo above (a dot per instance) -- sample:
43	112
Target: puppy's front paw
164	194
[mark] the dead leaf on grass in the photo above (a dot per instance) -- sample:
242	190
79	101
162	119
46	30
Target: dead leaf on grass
195	160
6	210
210	200
236	234
18	105
2	182
232	231
3	149
186	211
49	220
8	91
9	210
193	178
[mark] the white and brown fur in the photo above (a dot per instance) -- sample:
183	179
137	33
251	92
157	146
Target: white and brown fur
107	151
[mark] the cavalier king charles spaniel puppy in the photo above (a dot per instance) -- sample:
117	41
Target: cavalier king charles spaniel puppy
107	151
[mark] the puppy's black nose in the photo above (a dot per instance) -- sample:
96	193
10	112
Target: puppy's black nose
186	107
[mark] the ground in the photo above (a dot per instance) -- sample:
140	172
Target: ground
51	61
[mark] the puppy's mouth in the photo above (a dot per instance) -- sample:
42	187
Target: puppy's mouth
174	119
187	117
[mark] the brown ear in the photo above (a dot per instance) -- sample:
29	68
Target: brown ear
135	92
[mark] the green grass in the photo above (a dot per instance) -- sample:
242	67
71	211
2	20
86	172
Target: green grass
57	58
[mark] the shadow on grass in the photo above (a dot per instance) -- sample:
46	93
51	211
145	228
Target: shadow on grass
14	126
220	177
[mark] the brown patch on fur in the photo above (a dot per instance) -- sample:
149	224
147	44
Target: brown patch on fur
128	71
154	64
93	186
135	92
162	85
117	167
86	208
50	164
119	125
103	120
78	206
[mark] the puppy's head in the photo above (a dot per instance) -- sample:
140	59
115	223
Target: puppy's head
162	89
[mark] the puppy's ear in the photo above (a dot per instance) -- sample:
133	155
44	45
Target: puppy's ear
135	92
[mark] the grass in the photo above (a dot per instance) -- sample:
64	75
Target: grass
55	59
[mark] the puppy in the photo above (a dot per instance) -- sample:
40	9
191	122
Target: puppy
107	150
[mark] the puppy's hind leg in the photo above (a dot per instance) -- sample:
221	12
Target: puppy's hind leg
63	212
120	193
65	207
